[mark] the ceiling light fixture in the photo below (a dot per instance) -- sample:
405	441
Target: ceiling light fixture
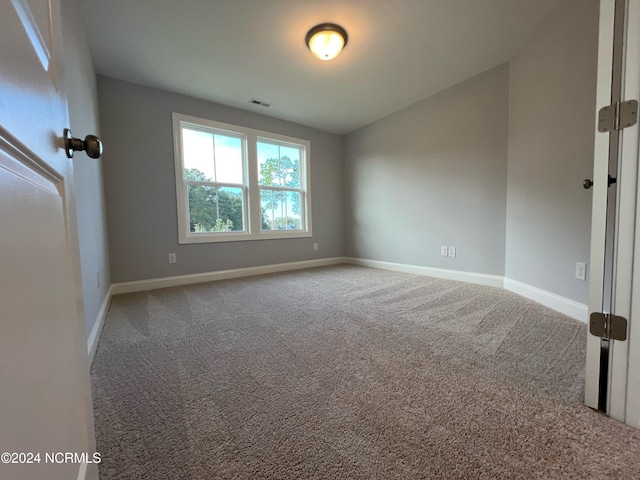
326	40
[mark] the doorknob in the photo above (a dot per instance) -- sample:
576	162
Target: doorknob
91	144
587	184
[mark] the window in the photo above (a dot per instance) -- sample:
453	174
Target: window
235	183
280	188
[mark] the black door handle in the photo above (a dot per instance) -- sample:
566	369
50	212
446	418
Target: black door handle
91	144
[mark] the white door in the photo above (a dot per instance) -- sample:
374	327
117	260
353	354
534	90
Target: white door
612	382
44	387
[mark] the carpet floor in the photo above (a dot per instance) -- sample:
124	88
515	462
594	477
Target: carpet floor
347	372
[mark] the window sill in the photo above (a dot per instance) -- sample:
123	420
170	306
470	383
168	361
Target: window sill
240	237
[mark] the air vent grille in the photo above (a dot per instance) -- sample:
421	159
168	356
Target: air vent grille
255	101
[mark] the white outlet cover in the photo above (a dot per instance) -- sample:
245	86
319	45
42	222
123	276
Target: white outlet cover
581	271
444	251
452	251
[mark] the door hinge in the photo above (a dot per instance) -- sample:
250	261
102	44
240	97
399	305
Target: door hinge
618	116
606	325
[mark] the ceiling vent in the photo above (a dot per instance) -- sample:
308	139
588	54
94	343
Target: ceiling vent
255	101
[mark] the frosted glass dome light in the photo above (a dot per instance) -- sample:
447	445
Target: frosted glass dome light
326	40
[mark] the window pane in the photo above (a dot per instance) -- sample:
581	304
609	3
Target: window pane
280	210
197	154
211	157
228	157
278	165
215	209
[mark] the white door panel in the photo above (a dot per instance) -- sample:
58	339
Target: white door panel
37	357
32	104
44	387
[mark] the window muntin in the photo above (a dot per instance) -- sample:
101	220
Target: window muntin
235	183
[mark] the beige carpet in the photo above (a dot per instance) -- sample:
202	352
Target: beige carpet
347	372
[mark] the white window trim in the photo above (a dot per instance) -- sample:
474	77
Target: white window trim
252	211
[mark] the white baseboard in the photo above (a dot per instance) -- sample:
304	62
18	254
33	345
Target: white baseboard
469	277
155	283
82	472
94	335
571	308
564	305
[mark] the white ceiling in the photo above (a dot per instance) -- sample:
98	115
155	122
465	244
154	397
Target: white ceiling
229	51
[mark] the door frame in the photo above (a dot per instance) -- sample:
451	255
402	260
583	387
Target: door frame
599	198
621	388
624	399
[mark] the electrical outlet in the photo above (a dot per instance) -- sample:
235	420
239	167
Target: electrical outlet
581	271
172	258
444	251
315	246
452	251
98	279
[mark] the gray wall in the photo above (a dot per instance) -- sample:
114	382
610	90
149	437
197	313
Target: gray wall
80	88
551	123
492	166
140	187
80	85
433	174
